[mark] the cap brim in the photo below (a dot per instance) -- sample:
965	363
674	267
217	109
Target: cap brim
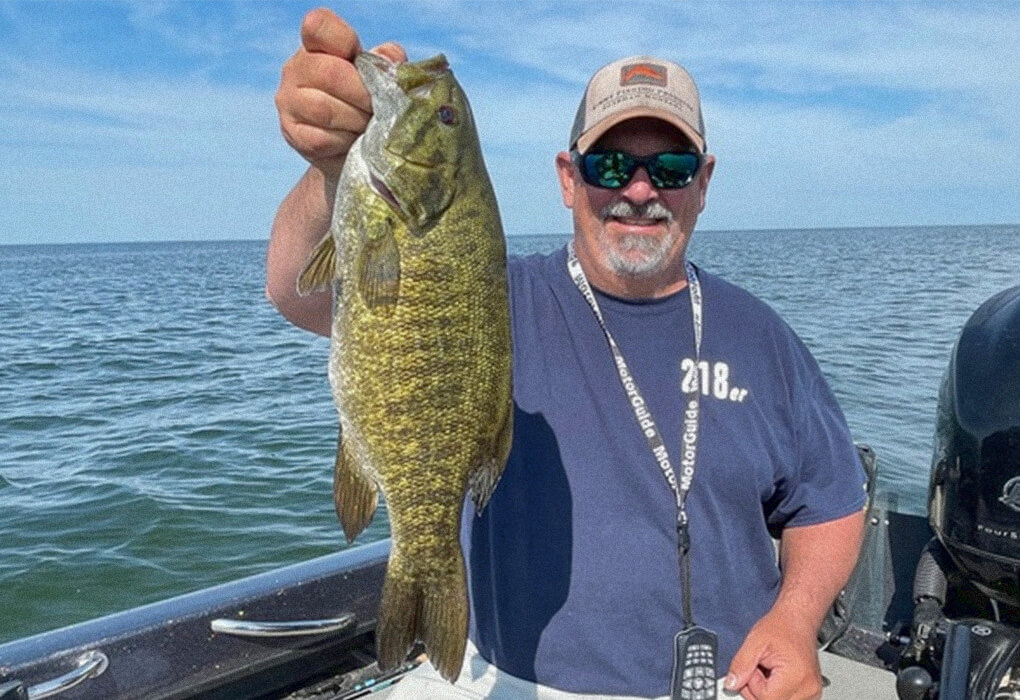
588	138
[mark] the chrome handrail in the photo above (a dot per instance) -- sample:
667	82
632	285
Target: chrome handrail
292	628
90	665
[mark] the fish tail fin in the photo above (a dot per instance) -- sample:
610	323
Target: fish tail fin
437	616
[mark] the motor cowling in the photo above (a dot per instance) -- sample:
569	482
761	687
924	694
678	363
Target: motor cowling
974	492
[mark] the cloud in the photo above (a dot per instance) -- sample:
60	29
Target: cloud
102	156
217	30
58	111
131	203
821	113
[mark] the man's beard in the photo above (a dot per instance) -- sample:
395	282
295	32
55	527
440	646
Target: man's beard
637	255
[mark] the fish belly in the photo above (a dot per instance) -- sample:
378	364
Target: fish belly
423	391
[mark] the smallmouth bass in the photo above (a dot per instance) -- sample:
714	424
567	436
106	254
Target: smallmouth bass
420	362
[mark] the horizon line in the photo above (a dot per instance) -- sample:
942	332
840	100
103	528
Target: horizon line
547	234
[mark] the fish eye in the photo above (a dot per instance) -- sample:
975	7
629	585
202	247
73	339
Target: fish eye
447	115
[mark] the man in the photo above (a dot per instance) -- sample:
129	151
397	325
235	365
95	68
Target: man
662	401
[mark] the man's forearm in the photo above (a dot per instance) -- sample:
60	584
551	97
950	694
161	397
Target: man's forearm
779	657
301	222
816	561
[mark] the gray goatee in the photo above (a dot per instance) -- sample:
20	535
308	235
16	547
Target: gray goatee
637	255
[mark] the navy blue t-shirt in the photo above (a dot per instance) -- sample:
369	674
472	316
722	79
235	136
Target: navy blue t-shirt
573	567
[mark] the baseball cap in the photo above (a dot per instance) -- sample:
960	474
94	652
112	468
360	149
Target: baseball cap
638	86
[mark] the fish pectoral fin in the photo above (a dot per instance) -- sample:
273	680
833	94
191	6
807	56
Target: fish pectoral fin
379	273
320	271
355	494
482	481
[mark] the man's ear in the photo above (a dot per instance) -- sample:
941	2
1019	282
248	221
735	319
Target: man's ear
568	180
707	168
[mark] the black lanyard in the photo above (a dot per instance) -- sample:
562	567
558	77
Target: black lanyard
645	421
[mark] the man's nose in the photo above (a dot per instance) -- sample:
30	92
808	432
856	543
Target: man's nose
640	188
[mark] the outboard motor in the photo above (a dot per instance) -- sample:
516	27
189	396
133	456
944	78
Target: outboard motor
974	510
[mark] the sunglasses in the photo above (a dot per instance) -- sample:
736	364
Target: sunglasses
612	170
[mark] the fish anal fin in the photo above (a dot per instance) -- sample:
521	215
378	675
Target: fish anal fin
379	272
483	479
355	494
320	271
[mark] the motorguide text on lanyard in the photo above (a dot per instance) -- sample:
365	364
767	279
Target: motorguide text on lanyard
637	401
700	663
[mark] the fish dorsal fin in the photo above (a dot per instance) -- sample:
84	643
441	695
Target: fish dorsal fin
379	272
320	270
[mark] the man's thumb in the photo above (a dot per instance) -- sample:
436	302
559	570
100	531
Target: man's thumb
743	666
392	51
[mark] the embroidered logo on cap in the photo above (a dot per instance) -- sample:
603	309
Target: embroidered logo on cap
643	74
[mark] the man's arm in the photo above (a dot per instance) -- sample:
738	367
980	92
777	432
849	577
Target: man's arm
779	658
323	107
301	221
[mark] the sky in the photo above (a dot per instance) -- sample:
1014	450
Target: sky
130	121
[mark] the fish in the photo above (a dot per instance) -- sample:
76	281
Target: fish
420	356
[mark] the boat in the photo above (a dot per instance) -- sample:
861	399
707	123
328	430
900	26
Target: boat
931	611
301	631
305	632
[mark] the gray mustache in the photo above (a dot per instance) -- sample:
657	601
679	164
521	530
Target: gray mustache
625	209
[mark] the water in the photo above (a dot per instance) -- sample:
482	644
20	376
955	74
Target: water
162	429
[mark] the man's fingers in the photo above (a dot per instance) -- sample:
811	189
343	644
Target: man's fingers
756	681
316	108
757	685
391	51
318	144
323	31
322	102
763	684
334	76
743	668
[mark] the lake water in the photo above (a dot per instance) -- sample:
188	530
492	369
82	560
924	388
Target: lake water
162	429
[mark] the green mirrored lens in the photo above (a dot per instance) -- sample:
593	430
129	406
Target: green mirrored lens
673	170
614	169
611	169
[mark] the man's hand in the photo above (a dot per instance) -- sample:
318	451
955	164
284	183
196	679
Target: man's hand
323	108
322	101
777	661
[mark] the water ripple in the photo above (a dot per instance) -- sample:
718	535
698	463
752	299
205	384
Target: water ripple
163	429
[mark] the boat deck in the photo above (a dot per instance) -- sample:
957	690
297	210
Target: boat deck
306	632
844	680
851	680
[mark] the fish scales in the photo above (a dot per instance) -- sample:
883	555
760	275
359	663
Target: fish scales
421	355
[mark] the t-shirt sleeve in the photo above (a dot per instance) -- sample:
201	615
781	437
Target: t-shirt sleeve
826	480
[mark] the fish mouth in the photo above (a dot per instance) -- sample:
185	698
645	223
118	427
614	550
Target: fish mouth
387	195
398	155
